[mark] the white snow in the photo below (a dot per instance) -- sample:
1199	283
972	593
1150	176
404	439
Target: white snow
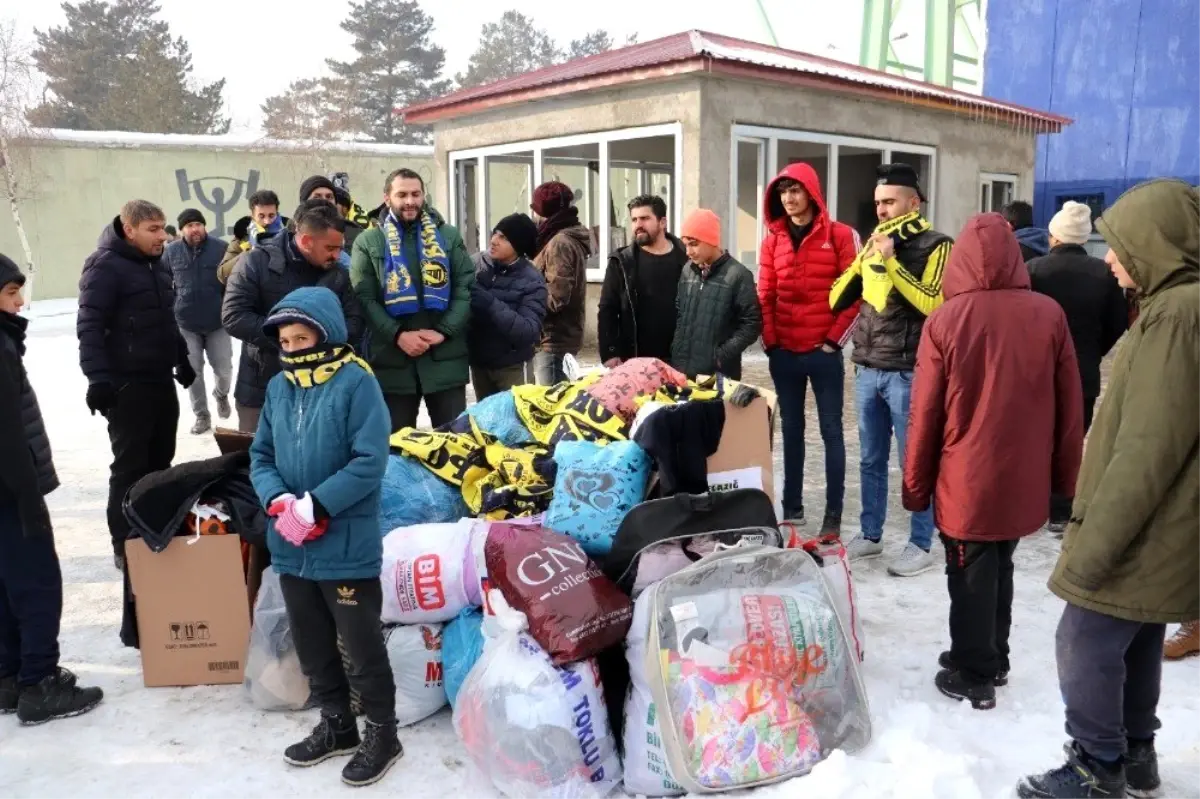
228	141
209	741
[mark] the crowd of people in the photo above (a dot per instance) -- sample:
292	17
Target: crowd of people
979	355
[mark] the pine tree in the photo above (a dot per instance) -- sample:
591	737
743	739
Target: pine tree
596	42
509	47
310	110
397	64
113	66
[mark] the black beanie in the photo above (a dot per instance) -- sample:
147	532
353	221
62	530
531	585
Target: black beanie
521	233
312	184
190	215
10	272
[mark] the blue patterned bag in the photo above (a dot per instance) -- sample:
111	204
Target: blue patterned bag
595	487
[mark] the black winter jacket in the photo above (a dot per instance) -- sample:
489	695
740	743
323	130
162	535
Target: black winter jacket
26	466
126	321
1093	301
718	318
616	317
267	274
198	292
508	305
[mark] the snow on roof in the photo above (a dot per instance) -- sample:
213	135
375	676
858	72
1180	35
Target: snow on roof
229	141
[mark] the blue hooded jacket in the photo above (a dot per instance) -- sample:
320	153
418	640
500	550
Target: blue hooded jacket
330	440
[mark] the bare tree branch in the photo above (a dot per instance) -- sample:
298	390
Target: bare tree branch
17	79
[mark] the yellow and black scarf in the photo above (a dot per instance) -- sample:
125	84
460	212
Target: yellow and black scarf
876	282
318	365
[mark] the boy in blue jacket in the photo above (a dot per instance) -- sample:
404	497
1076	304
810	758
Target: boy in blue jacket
316	463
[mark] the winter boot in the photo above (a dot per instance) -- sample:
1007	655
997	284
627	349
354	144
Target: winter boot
1081	777
1141	769
1184	643
203	425
223	409
831	525
953	684
8	695
333	736
945	662
55	697
379	751
1056	529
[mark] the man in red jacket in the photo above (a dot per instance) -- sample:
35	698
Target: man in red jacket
996	423
802	255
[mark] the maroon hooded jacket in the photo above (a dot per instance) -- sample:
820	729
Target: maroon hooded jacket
996	417
794	283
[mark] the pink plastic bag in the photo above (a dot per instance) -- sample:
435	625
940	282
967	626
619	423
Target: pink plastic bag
619	390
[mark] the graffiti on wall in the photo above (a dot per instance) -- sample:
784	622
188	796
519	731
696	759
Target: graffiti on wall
218	195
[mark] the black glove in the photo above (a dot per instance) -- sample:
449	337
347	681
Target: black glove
743	395
100	398
185	375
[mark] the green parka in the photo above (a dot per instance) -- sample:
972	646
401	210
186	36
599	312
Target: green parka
1132	549
442	367
718	317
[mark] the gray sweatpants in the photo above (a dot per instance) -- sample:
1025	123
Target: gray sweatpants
1110	675
218	346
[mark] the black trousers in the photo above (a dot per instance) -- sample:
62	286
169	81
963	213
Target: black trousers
443	406
321	610
142	426
30	599
979	576
1060	505
1110	675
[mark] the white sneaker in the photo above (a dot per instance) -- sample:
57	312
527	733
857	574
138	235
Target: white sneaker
859	548
912	561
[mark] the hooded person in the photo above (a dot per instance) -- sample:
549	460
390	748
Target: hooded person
1034	241
317	463
718	315
561	248
1130	560
995	423
802	255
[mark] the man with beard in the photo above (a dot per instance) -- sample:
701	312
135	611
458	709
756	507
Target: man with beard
636	317
562	249
413	277
268	273
129	348
198	293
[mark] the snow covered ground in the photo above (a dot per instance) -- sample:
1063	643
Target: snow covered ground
209	741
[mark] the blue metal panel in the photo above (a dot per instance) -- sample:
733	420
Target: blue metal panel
1124	70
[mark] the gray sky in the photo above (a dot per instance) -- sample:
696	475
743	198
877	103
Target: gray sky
259	47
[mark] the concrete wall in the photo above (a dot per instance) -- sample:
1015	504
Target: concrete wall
71	189
1124	70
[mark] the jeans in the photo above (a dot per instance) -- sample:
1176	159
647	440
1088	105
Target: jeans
142	426
548	368
30	599
443	406
882	399
1060	505
979	578
791	372
1110	675
218	345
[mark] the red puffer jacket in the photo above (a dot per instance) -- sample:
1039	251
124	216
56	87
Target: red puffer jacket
996	418
793	284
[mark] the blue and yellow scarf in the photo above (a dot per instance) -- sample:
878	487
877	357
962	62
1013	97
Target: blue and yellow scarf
400	296
259	234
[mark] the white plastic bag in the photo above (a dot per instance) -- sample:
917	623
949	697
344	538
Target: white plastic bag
422	575
415	653
835	567
646	768
273	677
535	730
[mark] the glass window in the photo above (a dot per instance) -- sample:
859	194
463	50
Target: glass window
996	191
508	185
856	187
466	199
815	155
751	180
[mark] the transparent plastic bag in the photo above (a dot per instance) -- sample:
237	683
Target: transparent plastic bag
273	677
754	677
645	766
535	730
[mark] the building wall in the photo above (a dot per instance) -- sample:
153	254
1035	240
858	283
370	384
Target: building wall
1124	70
71	190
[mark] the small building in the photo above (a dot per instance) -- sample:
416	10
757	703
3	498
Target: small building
705	120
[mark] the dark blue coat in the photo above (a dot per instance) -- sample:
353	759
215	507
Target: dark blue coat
508	304
126	321
198	292
330	440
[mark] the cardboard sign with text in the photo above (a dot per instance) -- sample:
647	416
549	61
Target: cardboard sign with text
192	617
743	458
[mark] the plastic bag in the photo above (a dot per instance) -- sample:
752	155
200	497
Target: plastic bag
535	730
415	654
462	645
411	494
646	768
273	677
574	611
835	566
595	488
423	572
497	415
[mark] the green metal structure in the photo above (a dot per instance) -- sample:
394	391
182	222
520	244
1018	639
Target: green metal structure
953	52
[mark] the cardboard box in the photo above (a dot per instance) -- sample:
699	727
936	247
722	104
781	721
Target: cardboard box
192	617
743	458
